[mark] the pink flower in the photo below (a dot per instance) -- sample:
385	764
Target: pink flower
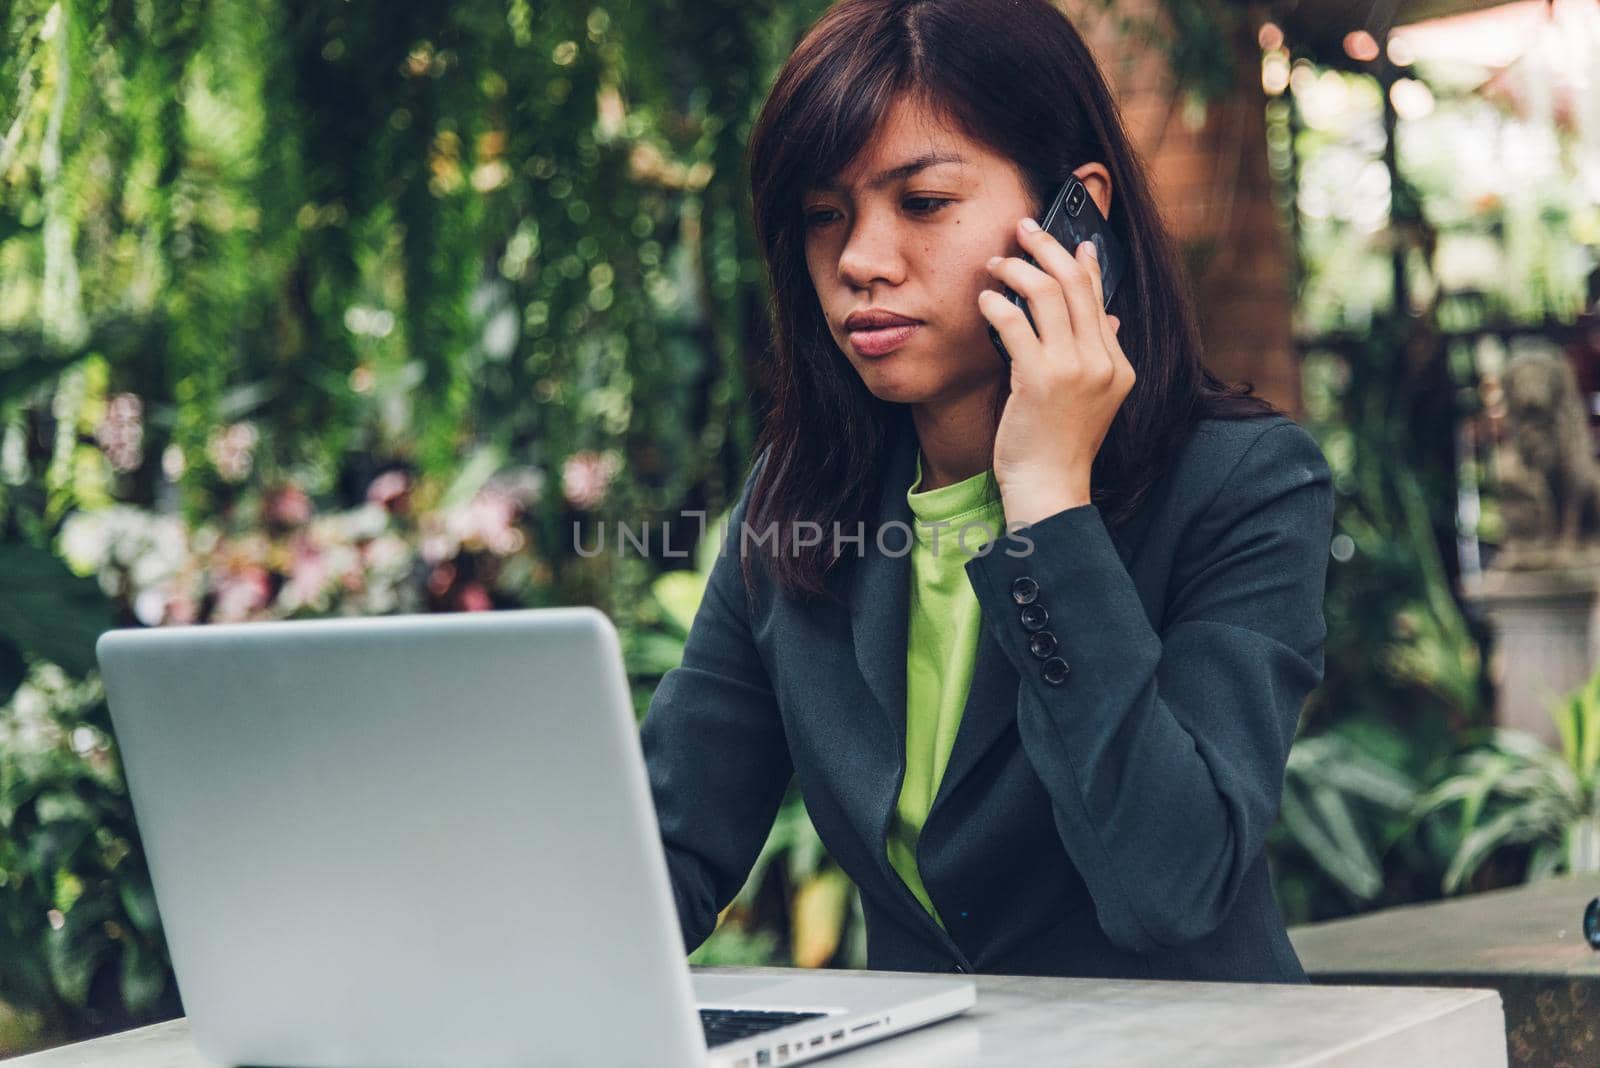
308	575
474	598
232	450
489	521
436	546
287	506
390	489
182	609
242	593
121	432
587	475
440	580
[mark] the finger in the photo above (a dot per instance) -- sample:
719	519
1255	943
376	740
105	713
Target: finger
1043	293
1113	322
1012	326
1098	355
1071	273
1096	274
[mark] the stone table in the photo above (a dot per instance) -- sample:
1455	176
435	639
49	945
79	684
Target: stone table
1526	942
1027	1021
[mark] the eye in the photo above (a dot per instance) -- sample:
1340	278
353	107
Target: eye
916	205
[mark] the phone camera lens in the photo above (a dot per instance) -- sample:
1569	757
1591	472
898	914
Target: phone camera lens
1075	201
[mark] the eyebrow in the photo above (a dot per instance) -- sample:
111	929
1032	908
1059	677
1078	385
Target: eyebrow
904	170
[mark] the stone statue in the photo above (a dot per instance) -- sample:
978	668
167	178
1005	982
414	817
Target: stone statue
1549	481
1541	596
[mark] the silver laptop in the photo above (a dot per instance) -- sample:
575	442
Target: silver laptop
429	841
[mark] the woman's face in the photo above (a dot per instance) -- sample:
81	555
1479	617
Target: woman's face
907	229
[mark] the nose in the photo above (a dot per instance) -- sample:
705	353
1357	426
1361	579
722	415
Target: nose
872	252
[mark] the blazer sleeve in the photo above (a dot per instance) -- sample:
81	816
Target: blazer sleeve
1164	754
714	748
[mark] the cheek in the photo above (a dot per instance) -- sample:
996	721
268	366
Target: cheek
960	278
961	272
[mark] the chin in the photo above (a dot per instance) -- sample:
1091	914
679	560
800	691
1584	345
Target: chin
902	382
914	381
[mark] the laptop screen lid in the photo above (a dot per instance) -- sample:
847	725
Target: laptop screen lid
408	840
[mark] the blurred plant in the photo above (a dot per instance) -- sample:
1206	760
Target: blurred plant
1342	806
1380	278
655	644
277	558
80	935
1517	790
80	941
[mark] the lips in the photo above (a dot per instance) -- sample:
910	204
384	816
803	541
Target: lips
876	318
878	330
882	340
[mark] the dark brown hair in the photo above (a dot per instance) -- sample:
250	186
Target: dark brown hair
1015	76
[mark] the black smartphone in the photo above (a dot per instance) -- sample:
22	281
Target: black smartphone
1072	218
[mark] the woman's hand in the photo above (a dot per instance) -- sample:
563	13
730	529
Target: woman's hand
1067	382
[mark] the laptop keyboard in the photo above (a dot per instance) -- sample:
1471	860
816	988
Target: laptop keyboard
730	1025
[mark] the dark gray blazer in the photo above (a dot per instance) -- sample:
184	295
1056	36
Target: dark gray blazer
1109	823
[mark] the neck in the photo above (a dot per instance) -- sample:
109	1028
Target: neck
956	438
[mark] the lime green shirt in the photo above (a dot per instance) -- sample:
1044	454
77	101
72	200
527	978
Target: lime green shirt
941	642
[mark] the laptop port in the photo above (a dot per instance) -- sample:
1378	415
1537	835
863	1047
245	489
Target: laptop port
818	1040
783	1052
865	1026
837	1035
763	1056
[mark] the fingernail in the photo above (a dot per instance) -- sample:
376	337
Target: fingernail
1029	224
993	260
1094	251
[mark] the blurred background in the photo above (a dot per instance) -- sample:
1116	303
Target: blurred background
318	308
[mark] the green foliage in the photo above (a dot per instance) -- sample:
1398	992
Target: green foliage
1515	790
1397	636
80	937
79	932
381	237
655	646
46	613
1404	669
1340	804
1396	407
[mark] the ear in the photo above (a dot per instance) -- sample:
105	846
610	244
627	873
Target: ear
1097	180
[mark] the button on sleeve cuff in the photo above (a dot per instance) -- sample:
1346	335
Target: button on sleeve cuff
1067	568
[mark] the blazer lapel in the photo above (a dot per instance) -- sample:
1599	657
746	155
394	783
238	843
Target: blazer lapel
990	711
880	588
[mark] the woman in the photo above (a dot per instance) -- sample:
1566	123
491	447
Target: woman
1053	752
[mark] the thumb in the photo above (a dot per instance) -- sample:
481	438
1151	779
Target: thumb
1114	321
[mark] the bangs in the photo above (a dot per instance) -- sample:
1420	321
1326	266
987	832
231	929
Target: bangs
832	121
833	110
